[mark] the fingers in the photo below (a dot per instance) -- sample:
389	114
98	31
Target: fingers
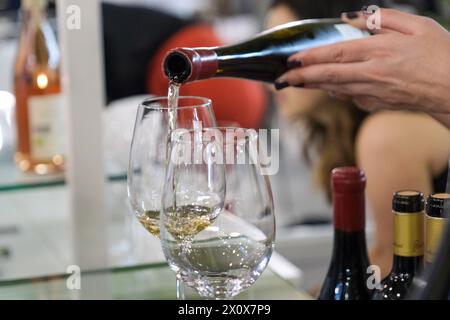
348	51
393	20
348	89
380	20
356	19
332	73
339	96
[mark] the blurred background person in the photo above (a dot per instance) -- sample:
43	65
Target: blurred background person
397	150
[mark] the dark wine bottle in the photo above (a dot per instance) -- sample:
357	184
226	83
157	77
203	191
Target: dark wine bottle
262	58
438	206
434	284
347	275
407	207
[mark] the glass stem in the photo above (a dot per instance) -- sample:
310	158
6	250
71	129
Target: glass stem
180	290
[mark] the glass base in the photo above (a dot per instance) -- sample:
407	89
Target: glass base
40	167
217	287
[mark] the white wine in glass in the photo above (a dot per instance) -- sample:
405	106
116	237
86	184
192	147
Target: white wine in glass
230	249
149	151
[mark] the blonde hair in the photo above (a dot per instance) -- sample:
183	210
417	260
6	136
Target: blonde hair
331	129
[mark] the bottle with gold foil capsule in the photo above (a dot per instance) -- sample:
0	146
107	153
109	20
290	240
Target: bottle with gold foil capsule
39	108
438	207
408	210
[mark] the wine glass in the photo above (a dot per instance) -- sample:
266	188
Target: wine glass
149	153
219	249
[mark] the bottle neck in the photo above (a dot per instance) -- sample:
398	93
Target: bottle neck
33	15
37	36
434	227
408	242
410	265
183	65
349	211
350	251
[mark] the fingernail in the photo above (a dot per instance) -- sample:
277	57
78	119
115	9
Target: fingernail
366	12
351	15
293	64
281	85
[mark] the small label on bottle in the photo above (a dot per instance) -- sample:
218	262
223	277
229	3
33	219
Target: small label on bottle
349	32
434	228
46	124
408	234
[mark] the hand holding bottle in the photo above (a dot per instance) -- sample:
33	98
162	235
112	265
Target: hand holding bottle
404	65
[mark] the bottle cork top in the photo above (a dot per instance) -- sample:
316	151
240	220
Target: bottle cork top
408	201
438	205
348	199
34	4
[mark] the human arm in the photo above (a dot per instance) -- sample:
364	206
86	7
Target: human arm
405	65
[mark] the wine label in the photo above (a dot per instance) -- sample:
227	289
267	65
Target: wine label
46	126
408	234
349	32
434	228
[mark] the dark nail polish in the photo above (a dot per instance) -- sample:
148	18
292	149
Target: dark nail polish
293	64
351	15
281	85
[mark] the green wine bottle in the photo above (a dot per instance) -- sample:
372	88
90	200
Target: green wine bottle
262	58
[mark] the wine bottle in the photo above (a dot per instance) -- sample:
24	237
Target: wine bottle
438	206
262	58
347	274
39	112
435	283
407	207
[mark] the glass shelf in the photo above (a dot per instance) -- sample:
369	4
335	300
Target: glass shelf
144	282
12	179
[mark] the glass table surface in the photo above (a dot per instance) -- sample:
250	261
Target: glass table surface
144	282
12	179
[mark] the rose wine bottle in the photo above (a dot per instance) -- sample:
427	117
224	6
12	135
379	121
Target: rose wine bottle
39	112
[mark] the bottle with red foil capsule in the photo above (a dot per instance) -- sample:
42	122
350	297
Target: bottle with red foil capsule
347	275
261	58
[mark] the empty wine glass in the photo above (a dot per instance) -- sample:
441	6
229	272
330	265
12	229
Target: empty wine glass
149	152
219	249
